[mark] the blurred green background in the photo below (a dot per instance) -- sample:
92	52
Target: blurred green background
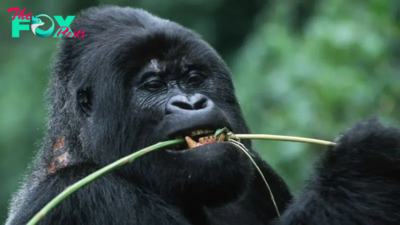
301	67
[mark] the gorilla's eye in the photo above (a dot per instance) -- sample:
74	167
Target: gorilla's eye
85	100
195	79
154	85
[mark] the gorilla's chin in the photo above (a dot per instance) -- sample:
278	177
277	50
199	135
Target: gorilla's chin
213	174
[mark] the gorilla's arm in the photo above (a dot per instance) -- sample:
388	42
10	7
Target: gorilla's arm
108	200
356	182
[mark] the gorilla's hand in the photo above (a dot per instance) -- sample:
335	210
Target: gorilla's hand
356	182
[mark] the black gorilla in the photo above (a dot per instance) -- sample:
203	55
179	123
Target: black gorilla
134	80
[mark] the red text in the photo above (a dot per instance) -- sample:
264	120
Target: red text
21	14
65	30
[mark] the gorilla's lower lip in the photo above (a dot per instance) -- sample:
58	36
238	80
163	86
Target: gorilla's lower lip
195	149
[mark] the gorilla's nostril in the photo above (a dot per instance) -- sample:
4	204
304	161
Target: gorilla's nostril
182	105
200	104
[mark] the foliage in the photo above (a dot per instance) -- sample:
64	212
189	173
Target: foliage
317	81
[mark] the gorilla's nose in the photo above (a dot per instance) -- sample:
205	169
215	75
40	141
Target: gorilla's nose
194	104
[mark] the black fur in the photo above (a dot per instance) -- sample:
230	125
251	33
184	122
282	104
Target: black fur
134	80
356	182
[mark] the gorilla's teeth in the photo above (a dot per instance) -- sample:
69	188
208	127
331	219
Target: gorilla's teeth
207	131
190	142
196	132
203	140
200	132
207	140
221	137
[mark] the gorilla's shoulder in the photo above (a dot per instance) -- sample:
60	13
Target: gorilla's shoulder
370	134
368	147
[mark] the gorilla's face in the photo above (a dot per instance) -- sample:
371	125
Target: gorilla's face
156	85
189	97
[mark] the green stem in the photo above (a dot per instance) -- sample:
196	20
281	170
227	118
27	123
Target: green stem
128	159
68	191
282	138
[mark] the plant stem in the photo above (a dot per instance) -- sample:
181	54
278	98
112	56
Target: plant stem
246	151
128	159
69	190
282	138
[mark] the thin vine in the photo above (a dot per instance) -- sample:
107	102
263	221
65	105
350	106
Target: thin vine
232	138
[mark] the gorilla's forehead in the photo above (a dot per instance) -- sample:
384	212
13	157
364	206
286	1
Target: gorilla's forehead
170	69
165	51
155	65
167	45
130	42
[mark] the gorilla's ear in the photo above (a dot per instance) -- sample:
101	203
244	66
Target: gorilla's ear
85	100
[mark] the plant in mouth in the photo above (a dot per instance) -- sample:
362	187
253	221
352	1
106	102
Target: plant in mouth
197	138
192	140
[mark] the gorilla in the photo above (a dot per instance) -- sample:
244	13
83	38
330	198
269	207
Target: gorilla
136	79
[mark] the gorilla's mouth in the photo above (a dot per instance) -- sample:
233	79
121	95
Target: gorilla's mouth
197	138
197	128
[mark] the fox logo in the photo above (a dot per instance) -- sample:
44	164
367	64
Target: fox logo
36	23
19	20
